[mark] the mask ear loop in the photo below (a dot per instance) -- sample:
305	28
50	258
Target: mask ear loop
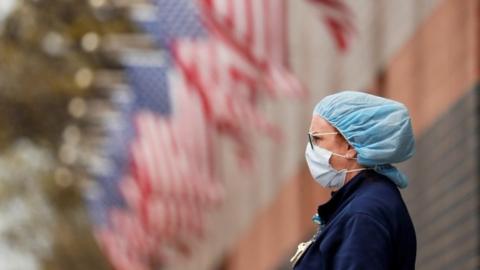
353	170
343	156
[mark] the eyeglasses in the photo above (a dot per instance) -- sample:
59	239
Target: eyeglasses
313	136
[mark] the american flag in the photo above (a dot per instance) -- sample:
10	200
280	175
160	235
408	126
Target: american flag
219	58
242	53
171	183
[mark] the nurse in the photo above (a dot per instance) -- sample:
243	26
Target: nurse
354	139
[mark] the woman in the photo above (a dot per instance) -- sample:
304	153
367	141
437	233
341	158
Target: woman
353	139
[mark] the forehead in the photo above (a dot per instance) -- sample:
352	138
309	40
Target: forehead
319	124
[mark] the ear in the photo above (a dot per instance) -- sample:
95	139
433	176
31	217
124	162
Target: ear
351	153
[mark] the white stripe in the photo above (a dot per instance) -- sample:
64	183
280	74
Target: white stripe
171	158
145	153
143	158
165	186
277	30
161	217
258	26
240	19
155	142
206	65
153	147
191	127
139	159
220	9
152	143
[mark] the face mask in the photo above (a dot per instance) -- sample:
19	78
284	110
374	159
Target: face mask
321	170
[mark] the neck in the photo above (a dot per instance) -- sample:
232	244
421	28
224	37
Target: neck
357	168
348	177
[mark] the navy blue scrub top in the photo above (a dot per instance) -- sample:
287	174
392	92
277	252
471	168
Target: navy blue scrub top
366	225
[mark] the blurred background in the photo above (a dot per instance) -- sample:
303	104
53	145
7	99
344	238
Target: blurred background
170	134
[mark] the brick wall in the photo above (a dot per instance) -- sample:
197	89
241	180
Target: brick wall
434	75
443	196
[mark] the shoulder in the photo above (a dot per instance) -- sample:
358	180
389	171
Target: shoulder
378	198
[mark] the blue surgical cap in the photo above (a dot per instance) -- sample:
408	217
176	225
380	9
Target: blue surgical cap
379	129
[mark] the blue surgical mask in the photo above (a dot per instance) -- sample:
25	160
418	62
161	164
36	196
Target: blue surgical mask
321	170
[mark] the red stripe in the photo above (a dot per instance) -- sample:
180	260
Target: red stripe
238	75
338	32
229	19
334	4
208	3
